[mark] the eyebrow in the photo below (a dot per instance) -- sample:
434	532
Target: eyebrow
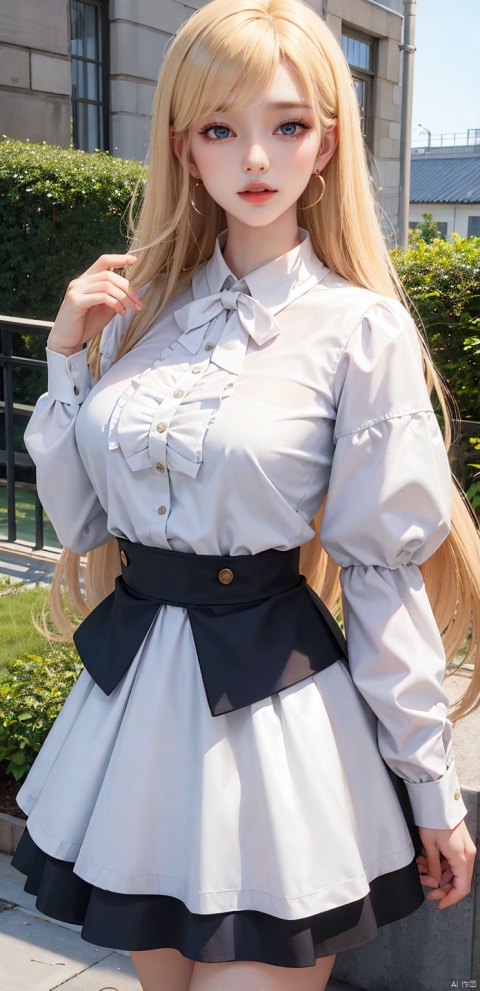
289	105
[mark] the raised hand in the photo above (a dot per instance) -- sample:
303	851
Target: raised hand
90	303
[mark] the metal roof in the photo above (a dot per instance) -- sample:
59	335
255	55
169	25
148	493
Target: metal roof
447	180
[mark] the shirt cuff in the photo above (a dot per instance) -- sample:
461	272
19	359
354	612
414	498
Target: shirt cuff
68	378
437	804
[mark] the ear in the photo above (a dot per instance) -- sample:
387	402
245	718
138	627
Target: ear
330	141
177	148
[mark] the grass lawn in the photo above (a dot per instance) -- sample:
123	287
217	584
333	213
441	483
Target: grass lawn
25	515
18	635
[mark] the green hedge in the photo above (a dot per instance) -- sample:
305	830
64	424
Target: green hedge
31	696
61	208
442	278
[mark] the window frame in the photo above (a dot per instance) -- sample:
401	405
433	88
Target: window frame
103	62
470	232
366	76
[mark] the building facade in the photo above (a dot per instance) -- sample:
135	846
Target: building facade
445	182
83	72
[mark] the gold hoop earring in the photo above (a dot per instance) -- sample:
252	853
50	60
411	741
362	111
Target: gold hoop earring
198	183
316	175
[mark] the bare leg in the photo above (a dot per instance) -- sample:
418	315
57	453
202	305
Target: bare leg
162	970
246	976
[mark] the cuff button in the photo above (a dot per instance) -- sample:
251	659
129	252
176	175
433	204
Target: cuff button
456	793
124	558
76	390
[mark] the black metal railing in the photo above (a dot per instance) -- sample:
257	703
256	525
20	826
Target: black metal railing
11	459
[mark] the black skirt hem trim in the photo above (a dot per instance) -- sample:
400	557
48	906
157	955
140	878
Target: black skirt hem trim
146	922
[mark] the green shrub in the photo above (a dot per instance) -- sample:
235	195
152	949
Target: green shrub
427	230
473	492
61	208
31	696
442	278
7	583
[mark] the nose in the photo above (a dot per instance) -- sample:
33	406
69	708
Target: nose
255	159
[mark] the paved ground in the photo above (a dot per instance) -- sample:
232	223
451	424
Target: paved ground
19	561
37	954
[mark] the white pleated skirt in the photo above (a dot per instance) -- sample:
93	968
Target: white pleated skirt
284	807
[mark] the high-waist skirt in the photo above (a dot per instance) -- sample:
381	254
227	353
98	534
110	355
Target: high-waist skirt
213	782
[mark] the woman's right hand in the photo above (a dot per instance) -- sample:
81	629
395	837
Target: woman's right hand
90	303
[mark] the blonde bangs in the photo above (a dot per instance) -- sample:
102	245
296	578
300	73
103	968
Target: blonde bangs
233	59
237	54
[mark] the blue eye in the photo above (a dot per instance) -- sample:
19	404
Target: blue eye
216	132
290	128
293	128
220	131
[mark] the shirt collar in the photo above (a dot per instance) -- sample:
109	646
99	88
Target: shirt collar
274	284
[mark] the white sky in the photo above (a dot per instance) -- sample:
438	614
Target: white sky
446	89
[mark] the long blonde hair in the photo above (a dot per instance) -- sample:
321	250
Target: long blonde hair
233	47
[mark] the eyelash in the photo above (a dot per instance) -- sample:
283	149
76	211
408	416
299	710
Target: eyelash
300	123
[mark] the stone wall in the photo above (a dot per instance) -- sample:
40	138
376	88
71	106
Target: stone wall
35	75
385	26
139	31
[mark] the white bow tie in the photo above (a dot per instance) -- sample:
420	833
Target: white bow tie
248	318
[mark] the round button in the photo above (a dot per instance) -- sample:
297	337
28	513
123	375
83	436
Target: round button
225	576
456	794
123	558
196	370
161	510
160	467
209	346
178	393
161	427
76	390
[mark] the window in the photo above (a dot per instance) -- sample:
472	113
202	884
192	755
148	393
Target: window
359	54
473	227
89	37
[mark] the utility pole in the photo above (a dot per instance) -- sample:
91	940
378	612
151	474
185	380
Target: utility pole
408	49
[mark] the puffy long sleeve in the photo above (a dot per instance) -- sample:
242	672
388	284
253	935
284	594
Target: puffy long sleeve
64	487
387	511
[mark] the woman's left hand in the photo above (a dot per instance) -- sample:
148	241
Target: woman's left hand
446	863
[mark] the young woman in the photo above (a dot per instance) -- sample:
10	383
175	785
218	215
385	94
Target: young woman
225	793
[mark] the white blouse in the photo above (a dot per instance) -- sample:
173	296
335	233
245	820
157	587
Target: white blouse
220	432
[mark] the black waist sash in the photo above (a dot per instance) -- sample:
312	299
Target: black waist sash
257	626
